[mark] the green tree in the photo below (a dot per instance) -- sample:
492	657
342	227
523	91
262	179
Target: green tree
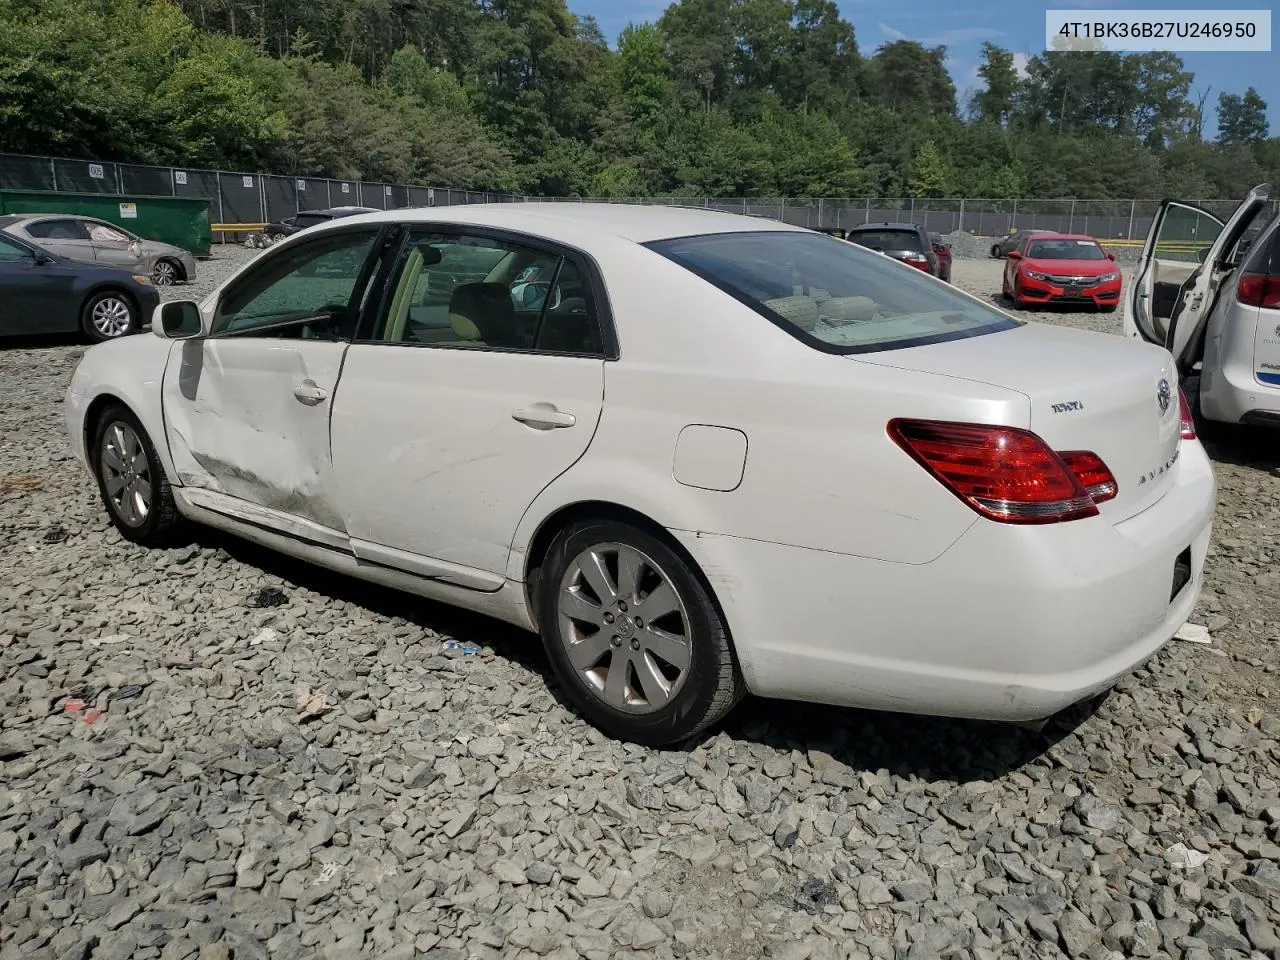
645	73
1242	119
995	104
929	174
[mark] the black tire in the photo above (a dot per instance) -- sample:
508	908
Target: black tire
710	687
167	271
116	304
162	519
1109	308
995	253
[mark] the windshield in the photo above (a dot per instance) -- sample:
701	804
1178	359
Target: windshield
1065	250
887	239
830	294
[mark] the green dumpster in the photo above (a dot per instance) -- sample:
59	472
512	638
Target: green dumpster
181	221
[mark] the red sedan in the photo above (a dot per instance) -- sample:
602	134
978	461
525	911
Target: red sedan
1062	268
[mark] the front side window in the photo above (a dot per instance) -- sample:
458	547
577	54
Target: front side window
831	294
10	252
57	230
101	233
314	288
480	292
1064	250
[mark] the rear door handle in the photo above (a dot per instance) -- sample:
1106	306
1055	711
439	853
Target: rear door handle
309	393
544	417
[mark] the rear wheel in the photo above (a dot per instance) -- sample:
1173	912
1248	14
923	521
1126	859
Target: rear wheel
131	479
634	637
995	253
109	315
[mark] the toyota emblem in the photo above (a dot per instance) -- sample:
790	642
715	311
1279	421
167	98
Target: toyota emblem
1164	396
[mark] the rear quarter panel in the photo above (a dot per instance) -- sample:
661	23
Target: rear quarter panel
821	471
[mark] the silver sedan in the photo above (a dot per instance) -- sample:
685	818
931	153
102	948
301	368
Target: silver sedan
96	241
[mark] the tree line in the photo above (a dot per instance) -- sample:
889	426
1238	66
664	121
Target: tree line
717	98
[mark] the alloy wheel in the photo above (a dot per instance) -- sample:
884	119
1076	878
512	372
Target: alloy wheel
624	627
111	316
126	474
164	274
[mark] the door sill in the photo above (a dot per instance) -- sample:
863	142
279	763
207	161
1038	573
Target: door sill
277	520
428	567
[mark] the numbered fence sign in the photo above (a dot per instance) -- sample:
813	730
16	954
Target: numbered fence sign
346	188
180	177
248	181
302	186
96	171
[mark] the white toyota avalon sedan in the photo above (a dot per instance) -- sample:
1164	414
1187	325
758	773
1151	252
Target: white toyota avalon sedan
700	454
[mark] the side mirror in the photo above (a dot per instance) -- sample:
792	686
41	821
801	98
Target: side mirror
43	260
1014	255
1111	257
177	320
1202	255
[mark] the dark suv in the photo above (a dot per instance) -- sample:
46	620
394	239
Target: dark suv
907	242
309	218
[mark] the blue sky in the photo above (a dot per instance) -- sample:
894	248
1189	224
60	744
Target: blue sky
1015	25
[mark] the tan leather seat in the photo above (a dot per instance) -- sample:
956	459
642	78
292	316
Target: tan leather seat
482	313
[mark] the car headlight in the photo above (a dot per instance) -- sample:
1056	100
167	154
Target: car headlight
144	281
1037	276
1108	277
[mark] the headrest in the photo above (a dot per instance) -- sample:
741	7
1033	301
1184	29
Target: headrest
482	311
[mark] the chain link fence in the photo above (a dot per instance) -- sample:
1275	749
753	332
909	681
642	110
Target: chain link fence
255	198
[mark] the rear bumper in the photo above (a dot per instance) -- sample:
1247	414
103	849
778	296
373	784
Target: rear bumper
1232	394
1011	623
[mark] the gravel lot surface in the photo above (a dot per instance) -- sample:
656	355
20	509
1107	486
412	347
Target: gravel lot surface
161	798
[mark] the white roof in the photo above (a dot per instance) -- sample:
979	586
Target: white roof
631	221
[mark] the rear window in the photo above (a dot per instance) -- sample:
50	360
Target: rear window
887	240
830	294
1064	250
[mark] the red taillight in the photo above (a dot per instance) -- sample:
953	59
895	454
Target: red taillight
1003	473
1187	430
1094	475
916	260
1259	290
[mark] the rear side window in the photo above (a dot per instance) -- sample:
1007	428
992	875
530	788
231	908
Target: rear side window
830	294
888	240
58	230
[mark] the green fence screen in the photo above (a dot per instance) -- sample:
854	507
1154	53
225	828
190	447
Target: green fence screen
181	221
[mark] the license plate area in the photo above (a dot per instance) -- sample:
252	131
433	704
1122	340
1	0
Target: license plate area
1181	574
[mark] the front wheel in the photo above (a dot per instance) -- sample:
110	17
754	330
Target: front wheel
108	316
165	273
131	479
634	637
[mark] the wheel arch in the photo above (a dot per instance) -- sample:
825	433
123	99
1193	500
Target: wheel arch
111	286
177	265
587	510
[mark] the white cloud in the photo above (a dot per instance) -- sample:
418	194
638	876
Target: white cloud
1020	64
891	33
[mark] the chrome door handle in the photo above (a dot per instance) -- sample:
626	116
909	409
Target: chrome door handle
307	392
544	417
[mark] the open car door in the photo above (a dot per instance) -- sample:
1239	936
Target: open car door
1187	255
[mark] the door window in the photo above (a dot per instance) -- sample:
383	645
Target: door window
1186	234
12	252
313	290
479	292
57	230
101	233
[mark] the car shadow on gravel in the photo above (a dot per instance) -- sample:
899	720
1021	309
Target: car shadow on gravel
928	748
42	341
907	745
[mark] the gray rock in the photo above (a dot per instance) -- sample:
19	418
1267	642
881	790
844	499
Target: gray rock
647	935
912	891
1220	935
78	855
97	879
656	904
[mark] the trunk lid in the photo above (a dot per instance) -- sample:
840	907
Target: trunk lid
1087	391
